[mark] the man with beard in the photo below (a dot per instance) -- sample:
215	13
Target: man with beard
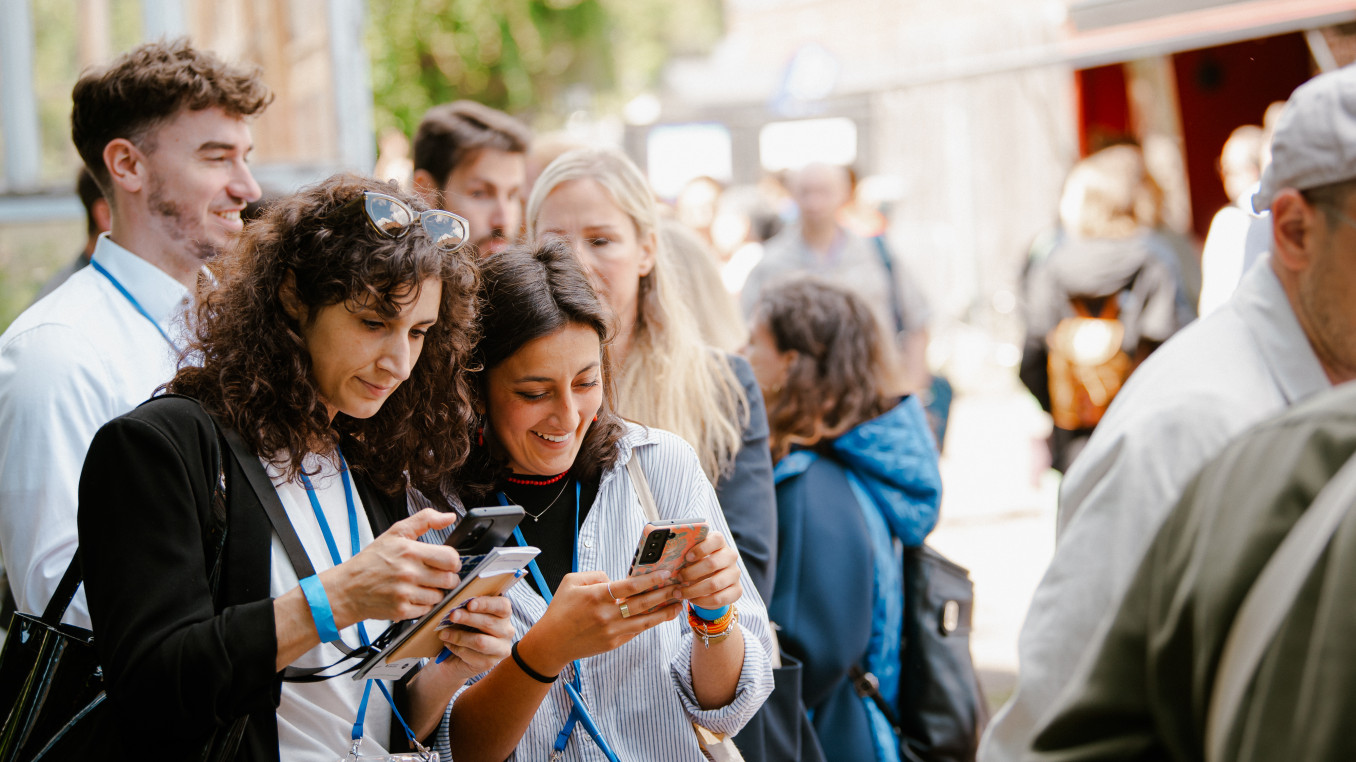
165	132
472	160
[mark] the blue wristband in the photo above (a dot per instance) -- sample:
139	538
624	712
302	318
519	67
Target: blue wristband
710	615
320	609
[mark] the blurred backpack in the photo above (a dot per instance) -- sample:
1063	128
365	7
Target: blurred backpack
1087	362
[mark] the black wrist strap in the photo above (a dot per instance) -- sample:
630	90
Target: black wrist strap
532	673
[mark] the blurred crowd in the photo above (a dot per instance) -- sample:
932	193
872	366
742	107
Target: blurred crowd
242	425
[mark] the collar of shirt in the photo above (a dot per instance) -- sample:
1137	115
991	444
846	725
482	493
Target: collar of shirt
154	289
1265	309
808	258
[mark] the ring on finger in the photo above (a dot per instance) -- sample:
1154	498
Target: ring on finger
609	591
625	610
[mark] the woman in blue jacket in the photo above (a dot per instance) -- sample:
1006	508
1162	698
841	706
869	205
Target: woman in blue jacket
857	481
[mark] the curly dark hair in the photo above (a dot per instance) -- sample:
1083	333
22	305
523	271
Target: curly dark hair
840	375
254	369
528	292
146	87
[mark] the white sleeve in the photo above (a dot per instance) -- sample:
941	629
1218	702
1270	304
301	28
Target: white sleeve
51	404
676	473
1112	503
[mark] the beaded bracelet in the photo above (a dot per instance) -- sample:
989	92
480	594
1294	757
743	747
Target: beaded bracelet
713	632
713	626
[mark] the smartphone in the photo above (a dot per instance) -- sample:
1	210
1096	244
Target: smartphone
664	545
483	529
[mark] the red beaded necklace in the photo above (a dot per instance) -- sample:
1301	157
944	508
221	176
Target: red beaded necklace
536	482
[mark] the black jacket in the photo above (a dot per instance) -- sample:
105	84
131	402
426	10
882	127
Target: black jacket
175	669
746	494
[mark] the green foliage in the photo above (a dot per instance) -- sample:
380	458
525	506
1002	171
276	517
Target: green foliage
527	57
55	70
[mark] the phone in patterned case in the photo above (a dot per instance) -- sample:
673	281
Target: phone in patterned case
665	544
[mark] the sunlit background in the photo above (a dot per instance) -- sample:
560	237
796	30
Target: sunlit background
961	118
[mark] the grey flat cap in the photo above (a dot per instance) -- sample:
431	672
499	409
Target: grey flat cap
1315	141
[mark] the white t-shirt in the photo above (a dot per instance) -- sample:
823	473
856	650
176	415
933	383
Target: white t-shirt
315	720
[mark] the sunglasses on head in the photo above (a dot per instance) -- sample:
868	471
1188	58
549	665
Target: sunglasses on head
393	218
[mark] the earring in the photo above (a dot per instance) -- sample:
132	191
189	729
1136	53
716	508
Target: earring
595	419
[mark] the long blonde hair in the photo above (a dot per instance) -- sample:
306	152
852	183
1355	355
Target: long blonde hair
670	379
696	278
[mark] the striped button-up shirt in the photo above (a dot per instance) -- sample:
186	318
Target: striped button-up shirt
640	694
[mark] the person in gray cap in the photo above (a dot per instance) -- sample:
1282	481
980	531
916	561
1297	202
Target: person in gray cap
1287	332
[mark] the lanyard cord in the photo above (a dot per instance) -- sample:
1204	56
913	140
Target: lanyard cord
357	734
135	304
574	687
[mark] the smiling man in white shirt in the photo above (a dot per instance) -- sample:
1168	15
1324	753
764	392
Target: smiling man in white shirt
165	132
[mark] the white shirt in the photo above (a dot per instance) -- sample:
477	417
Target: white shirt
315	720
70	363
1217	377
1237	238
852	262
640	694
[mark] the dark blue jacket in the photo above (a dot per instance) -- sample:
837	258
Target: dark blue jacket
826	597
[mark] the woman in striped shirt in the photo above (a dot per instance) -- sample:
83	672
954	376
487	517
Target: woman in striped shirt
606	666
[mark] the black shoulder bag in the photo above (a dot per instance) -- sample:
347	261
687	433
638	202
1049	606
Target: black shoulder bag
50	674
942	710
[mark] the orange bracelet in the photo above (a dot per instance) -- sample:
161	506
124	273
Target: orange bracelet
713	632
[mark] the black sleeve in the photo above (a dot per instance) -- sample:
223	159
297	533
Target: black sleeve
174	669
747	495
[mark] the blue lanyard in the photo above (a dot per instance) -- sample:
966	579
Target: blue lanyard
135	304
354	547
574	687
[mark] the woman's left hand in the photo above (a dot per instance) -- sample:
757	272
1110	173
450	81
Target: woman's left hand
711	577
488	640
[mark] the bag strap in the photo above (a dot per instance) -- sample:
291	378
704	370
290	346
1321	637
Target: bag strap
714	746
268	498
868	686
65	592
287	534
1268	603
642	486
888	262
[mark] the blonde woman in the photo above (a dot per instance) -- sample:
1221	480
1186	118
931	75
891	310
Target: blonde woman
669	378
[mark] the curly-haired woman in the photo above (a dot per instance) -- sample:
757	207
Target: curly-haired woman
857	480
327	345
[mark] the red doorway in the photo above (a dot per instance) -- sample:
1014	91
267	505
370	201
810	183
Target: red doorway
1221	88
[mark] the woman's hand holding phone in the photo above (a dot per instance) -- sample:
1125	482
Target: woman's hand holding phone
481	639
396	576
710	578
584	619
